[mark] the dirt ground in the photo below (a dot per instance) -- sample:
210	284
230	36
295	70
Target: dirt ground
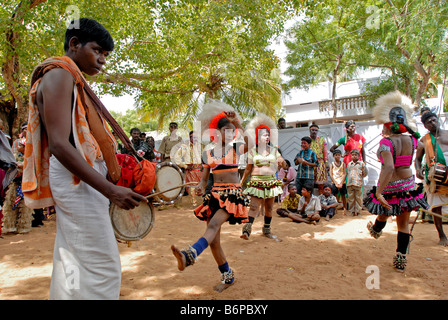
328	261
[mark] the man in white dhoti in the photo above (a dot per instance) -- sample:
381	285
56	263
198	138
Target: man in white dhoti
434	145
68	154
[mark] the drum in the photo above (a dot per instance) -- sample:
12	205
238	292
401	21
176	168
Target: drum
134	224
438	178
168	176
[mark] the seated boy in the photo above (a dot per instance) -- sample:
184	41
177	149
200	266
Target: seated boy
290	202
309	207
328	202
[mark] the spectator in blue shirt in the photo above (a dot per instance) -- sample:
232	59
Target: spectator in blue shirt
306	160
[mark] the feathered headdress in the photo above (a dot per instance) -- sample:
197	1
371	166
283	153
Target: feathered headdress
212	112
262	121
394	110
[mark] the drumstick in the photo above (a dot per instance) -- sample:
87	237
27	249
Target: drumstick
432	213
182	185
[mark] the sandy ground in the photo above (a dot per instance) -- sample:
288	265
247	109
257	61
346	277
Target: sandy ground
329	260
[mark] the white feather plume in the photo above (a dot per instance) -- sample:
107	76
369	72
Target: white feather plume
258	120
386	102
212	109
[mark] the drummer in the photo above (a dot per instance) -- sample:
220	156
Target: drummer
226	201
188	158
169	141
439	138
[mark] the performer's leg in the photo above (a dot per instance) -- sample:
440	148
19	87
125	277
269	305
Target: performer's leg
439	227
403	238
255	204
189	256
268	205
376	230
227	274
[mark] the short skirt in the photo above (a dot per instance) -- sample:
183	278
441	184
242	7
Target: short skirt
264	187
403	195
228	197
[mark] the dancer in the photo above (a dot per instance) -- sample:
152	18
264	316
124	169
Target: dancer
225	201
396	193
262	164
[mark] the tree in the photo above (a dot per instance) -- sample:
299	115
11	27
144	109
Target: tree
417	30
324	44
169	53
407	40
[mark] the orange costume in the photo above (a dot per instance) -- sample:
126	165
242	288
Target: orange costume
87	136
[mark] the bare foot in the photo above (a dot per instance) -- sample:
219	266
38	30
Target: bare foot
443	242
181	260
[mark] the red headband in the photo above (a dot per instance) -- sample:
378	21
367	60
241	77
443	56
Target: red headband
261	126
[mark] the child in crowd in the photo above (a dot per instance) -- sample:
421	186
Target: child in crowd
290	203
328	202
309	207
338	173
356	171
287	176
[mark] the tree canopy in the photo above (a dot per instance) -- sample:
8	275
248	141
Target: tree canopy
405	39
170	54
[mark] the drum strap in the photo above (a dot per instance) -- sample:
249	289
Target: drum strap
430	151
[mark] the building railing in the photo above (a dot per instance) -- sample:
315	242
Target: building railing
345	103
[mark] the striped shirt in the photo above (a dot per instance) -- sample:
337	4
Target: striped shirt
305	171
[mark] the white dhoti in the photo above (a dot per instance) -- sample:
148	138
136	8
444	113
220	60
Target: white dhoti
437	199
86	261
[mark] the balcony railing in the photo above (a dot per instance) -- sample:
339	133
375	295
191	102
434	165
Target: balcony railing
345	103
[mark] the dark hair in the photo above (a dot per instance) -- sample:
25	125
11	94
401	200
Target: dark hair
88	30
308	187
288	162
314	125
280	119
327	185
349	123
307	139
223	122
427	115
173	124
422	110
134	129
354	151
337	151
291	185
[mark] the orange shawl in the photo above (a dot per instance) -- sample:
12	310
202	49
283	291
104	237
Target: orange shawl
92	136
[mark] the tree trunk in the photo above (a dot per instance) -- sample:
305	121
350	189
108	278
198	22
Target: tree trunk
11	67
423	85
333	93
